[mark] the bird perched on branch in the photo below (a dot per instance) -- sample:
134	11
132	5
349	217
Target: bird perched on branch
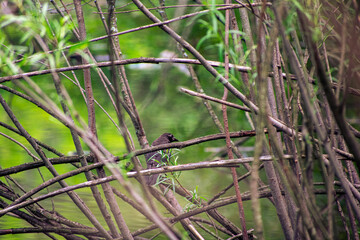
154	159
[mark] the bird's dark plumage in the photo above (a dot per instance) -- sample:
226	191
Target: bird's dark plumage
154	158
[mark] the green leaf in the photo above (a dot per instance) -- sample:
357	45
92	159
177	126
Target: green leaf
78	47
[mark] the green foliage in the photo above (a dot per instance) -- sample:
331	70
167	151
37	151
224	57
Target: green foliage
195	201
214	31
26	34
171	159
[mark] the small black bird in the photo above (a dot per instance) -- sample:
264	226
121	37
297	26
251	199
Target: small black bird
153	159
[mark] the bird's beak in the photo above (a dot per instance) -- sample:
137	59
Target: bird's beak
174	139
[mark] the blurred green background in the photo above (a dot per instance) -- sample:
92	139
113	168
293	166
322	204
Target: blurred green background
161	106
